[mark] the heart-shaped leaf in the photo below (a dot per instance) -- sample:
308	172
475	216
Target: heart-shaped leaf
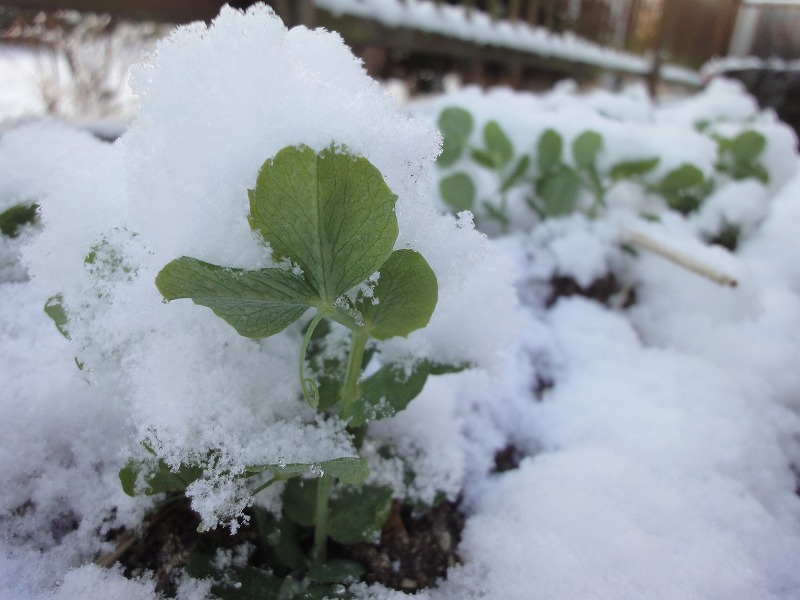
330	213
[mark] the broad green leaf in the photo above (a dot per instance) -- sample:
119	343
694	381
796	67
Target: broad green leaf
559	192
683	177
747	146
455	123
347	469
358	513
497	144
330	213
458	191
336	571
158	477
387	392
518	172
14	218
54	308
633	168
256	303
404	297
300	501
585	148
456	126
684	188
548	151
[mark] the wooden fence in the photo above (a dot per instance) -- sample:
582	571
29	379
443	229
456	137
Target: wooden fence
687	31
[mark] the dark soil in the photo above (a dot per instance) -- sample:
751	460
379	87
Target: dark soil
415	548
607	290
507	459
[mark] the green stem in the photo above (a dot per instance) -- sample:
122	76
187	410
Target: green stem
309	387
319	552
358	343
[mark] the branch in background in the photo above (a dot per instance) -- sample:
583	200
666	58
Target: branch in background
687	262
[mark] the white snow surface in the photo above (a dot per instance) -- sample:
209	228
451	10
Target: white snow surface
477	26
658	464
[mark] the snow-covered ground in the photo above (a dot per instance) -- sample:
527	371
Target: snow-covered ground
659	464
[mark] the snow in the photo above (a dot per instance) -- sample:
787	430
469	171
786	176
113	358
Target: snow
477	26
658	464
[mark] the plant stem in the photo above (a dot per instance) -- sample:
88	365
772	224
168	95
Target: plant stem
319	552
310	391
358	343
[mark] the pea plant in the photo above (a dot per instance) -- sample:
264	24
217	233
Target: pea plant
553	186
328	220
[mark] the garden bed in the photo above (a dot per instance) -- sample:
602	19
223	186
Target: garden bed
604	404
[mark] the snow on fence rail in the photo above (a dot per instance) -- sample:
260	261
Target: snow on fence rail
463	23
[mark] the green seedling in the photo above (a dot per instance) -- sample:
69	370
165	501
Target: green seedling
496	154
738	157
328	218
684	188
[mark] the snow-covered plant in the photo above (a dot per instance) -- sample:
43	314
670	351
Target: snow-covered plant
328	220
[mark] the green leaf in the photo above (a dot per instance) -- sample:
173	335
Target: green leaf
518	172
388	391
158	477
455	123
406	296
483	158
684	188
456	126
256	303
497	144
54	308
347	469
358	513
747	146
300	501
754	170
14	218
437	368
684	177
282	538
549	151
458	191
633	168
585	149
336	571
330	213
559	192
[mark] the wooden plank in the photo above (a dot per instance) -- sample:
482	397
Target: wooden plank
174	11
